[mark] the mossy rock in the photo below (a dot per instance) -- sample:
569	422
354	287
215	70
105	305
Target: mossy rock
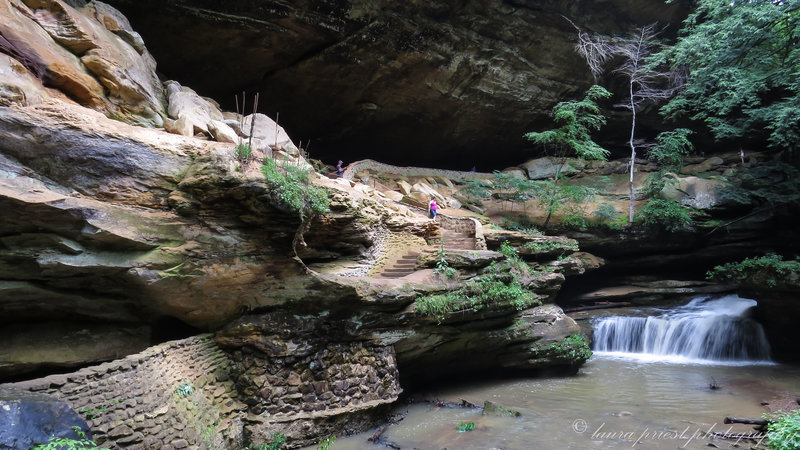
491	408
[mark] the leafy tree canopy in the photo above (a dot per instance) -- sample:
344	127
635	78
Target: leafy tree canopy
671	147
578	118
743	62
771	184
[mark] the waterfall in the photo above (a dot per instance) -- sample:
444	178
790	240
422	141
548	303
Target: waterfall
718	330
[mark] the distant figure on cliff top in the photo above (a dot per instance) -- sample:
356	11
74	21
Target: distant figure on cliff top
473	169
432	208
741	155
339	169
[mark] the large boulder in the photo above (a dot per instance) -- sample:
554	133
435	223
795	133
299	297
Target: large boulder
423	192
530	244
267	133
49	61
695	192
127	73
193	113
29	418
704	166
71	50
459	258
20	87
543	168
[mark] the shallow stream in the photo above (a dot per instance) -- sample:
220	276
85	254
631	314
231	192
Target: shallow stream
620	399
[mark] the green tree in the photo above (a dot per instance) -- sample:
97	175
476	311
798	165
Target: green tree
578	118
512	188
668	151
767	270
671	147
292	189
556	197
647	84
666	215
475	190
743	63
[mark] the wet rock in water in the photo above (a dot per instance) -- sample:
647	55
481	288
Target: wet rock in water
491	408
29	418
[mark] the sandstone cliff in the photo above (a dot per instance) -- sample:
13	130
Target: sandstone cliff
400	82
116	235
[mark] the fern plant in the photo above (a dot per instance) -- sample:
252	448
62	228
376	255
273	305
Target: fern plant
57	443
783	432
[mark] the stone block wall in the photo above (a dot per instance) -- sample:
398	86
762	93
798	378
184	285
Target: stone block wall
188	394
341	387
341	375
375	166
171	396
458	224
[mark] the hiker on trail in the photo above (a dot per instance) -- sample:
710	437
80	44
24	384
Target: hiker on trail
741	155
339	169
432	208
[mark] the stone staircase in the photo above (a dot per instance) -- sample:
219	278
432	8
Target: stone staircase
456	240
405	264
402	266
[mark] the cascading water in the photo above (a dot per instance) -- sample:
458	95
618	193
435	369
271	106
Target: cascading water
704	330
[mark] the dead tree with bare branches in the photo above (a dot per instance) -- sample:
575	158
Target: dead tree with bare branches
628	57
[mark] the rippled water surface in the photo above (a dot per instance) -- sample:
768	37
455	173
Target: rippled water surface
611	403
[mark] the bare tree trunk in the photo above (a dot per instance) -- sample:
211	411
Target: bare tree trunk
633	159
645	85
563	160
636	59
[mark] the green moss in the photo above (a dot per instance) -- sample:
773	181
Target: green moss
552	246
765	270
243	152
465	426
573	350
491	408
292	189
475	296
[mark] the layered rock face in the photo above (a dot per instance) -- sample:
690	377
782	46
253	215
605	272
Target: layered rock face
396	81
112	229
90	54
113	234
168	396
89	234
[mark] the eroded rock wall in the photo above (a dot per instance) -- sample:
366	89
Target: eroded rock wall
173	395
109	224
437	81
88	51
190	393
